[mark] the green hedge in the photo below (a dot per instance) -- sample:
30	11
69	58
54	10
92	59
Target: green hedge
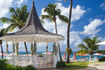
102	59
5	66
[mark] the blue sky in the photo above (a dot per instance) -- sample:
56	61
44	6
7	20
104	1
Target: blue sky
88	19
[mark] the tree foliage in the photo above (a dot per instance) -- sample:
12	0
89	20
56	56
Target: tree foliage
89	46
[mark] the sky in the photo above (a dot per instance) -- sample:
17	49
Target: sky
88	20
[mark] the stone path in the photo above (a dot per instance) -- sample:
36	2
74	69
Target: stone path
49	69
95	66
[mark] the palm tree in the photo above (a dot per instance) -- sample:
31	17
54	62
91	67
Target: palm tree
68	49
90	45
32	51
2	33
17	19
52	13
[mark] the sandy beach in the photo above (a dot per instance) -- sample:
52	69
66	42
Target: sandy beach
4	54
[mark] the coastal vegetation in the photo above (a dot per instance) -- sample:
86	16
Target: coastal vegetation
5	66
89	45
17	20
52	14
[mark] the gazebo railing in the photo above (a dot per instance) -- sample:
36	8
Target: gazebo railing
41	62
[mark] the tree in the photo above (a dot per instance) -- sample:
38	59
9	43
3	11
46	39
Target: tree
52	14
90	45
17	19
68	32
2	33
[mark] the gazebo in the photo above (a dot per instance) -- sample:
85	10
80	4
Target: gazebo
33	31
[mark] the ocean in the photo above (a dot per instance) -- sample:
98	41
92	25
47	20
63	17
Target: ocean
71	56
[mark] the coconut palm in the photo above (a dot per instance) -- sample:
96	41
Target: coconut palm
17	19
90	45
2	33
68	49
52	14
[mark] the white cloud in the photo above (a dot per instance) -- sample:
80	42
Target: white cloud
4	7
20	2
103	5
77	13
92	27
4	26
75	38
6	4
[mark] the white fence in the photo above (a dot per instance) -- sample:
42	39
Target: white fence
23	60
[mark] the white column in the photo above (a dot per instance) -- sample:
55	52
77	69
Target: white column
34	60
16	49
7	47
90	58
56	56
34	56
55	60
13	57
47	53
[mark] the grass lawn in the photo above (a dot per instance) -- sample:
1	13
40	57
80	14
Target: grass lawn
76	65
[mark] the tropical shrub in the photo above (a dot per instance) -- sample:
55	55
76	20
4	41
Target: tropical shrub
68	51
5	66
60	64
40	55
29	68
102	59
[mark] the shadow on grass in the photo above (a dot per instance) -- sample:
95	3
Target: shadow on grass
75	66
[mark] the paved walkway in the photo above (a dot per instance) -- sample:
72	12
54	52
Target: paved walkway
95	66
49	69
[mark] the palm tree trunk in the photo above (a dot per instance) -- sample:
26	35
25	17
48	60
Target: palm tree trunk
59	52
32	51
35	48
46	48
2	50
14	47
68	30
26	47
17	49
58	42
7	48
56	27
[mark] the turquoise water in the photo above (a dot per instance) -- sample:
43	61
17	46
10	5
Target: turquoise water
71	56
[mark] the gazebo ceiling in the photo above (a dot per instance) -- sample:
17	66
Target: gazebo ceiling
32	31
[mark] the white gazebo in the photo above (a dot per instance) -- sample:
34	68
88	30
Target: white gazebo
33	31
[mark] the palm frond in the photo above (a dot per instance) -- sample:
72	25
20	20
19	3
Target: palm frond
11	10
82	46
47	17
63	18
6	20
83	51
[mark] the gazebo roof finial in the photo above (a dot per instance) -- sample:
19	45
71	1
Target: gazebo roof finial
32	3
33	6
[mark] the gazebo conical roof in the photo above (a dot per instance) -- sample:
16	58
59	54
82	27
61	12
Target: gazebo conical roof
33	31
